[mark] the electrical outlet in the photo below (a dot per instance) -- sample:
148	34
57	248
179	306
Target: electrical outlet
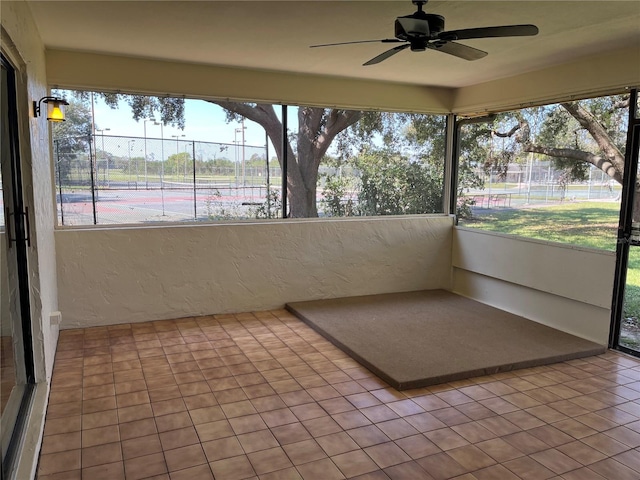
55	318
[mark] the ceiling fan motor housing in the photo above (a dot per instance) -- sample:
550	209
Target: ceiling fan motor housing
418	26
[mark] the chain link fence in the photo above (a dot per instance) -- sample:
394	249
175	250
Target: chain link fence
538	183
102	179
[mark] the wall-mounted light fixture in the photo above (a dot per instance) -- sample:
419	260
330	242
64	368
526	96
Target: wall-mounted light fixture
55	108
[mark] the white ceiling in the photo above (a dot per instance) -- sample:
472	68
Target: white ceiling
275	36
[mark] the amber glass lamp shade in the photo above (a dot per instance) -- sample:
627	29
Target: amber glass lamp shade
55	108
55	111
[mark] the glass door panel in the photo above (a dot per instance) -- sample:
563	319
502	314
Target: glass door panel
16	353
625	325
630	324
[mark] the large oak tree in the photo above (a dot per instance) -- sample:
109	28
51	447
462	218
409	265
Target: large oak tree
575	135
317	128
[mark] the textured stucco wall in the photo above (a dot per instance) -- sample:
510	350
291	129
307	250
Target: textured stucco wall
22	44
562	286
109	276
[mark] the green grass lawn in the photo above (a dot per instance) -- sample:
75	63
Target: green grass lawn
632	290
585	224
117	175
497	186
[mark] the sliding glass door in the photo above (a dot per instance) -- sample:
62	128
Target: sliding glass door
625	329
16	352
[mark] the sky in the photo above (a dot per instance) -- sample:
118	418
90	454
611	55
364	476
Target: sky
204	122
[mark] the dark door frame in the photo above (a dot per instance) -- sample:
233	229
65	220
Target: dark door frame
17	239
624	226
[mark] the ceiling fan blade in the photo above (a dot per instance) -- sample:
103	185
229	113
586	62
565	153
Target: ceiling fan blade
387	54
384	40
488	32
458	50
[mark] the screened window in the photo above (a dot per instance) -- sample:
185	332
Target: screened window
122	159
552	173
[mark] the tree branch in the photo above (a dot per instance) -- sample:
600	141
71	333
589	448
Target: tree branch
622	103
599	134
506	134
264	115
337	121
596	160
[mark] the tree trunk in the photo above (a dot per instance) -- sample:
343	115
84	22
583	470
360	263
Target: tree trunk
317	127
610	159
302	202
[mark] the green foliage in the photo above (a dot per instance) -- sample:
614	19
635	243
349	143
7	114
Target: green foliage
78	122
255	161
216	212
478	149
272	206
394	185
552	126
404	177
178	163
612	113
632	287
220	163
339	195
425	134
561	130
170	110
71	138
331	161
463	206
481	146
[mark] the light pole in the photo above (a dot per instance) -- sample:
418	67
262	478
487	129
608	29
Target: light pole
104	154
129	146
529	181
235	149
161	163
146	179
244	178
161	150
186	155
177	151
241	130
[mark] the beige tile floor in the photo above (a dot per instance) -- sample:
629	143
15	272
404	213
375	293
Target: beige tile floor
260	395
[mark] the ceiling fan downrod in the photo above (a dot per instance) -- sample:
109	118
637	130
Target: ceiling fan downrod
419	4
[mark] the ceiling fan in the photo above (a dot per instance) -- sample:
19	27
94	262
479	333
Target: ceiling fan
421	31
